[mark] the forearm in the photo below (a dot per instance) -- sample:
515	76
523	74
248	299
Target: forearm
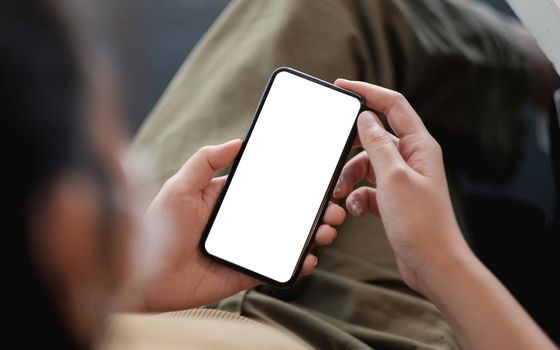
482	313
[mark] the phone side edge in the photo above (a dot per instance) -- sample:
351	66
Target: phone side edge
223	192
326	198
220	199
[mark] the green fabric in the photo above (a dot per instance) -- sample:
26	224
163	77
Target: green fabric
455	61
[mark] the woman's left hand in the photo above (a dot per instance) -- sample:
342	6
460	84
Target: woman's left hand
189	279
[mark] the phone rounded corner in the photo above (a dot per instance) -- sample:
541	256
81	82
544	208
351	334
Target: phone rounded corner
286	284
203	249
363	103
359	98
282	69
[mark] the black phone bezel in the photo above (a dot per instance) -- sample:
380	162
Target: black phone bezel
326	197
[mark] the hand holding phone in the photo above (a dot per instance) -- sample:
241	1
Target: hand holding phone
280	184
412	199
186	278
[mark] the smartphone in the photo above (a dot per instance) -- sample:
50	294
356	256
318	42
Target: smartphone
280	183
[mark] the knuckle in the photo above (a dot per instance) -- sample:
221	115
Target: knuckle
437	147
173	182
202	151
399	99
436	144
434	147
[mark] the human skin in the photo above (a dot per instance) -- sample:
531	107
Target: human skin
190	279
412	199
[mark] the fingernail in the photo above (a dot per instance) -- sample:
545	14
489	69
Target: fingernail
233	141
369	118
315	260
355	208
338	188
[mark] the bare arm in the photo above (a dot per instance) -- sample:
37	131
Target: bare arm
481	311
412	199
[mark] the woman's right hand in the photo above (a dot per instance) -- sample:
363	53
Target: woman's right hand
410	195
412	199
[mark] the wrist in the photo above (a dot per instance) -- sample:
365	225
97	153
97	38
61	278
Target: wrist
479	309
451	263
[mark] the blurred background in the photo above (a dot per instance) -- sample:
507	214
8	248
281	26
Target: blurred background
168	31
510	223
158	36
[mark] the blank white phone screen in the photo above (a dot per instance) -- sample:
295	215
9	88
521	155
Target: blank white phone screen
275	195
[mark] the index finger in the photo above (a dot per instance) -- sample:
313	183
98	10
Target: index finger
402	118
358	143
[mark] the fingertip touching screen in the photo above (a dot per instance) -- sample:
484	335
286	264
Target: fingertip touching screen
279	186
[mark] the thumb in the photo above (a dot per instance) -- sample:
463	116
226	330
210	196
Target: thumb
379	144
199	170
